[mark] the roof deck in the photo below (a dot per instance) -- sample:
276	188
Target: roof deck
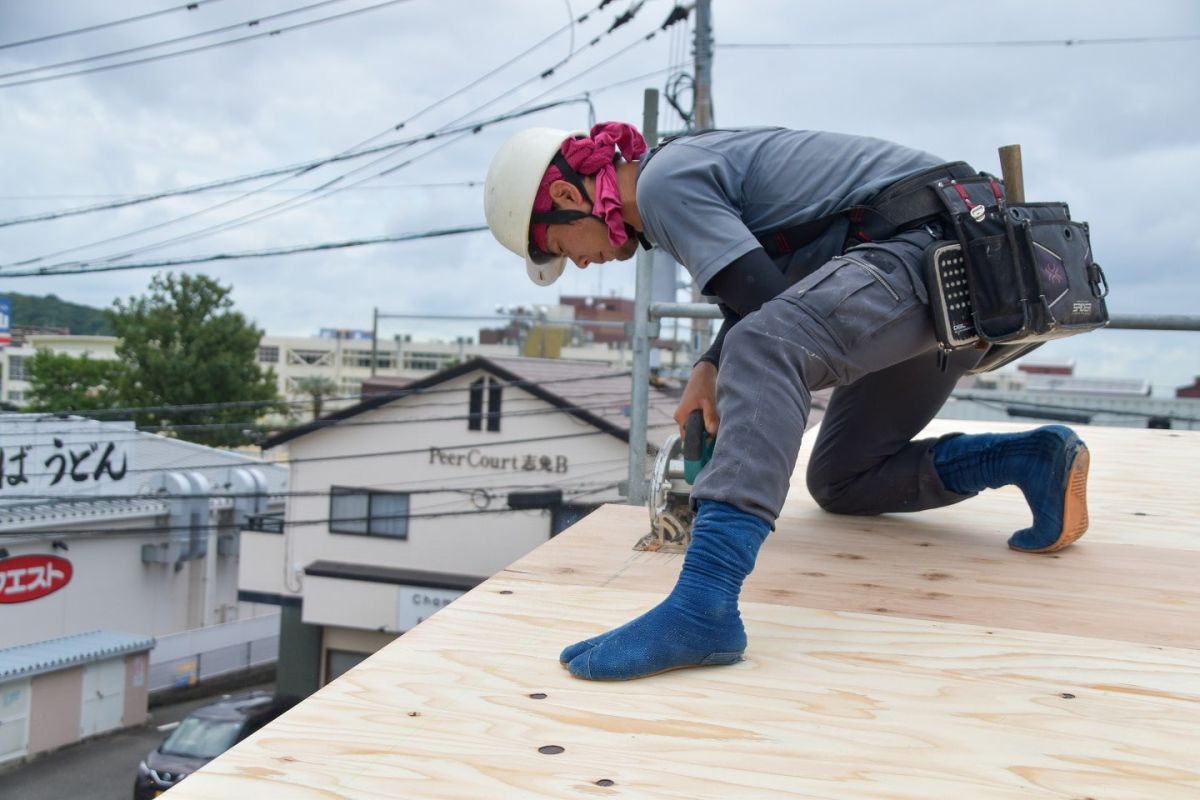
905	656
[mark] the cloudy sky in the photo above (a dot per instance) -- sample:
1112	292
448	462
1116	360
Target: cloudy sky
1111	128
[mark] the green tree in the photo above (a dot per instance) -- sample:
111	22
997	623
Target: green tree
62	382
185	349
317	387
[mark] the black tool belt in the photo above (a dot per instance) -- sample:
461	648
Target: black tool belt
1014	273
905	204
1014	276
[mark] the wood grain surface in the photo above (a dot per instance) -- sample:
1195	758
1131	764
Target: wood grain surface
893	657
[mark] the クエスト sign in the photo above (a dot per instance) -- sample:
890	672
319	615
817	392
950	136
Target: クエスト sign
25	578
5	321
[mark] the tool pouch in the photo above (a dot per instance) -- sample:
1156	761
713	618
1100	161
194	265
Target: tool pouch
1014	274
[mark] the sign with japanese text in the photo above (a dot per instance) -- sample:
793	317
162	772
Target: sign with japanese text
5	321
57	464
25	578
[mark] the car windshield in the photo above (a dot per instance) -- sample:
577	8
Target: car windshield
201	738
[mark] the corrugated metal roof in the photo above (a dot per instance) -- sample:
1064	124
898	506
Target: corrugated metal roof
57	511
68	651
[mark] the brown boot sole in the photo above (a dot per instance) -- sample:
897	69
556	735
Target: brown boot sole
1075	514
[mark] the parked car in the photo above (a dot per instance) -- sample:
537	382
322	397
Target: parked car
202	736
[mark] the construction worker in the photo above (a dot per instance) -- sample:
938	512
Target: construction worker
808	315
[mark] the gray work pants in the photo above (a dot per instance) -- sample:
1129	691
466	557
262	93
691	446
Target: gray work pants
860	323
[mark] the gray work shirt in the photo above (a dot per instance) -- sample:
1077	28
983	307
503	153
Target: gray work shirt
703	198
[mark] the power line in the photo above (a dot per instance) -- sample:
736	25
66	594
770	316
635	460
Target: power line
160	530
312	195
226	43
354	152
318	192
327	188
574	483
190	6
298	523
154	429
304	167
251	23
55	500
292	203
280	251
377	188
402	487
1122	40
372	454
256	428
396	395
61	268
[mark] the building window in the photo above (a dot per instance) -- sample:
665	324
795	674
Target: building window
430	362
357	358
16	368
475	405
493	417
268	355
311	357
368	513
339	662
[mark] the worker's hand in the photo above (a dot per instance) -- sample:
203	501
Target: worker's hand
701	393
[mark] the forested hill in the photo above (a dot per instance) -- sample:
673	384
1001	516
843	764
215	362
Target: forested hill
50	312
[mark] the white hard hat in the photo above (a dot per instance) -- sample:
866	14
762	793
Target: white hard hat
509	191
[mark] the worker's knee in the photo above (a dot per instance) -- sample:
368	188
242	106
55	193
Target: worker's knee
836	497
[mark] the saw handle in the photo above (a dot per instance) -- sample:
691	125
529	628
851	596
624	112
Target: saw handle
697	445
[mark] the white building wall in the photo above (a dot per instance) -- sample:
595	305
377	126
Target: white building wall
111	587
14	387
474	544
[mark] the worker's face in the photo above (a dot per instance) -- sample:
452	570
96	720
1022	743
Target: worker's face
585	242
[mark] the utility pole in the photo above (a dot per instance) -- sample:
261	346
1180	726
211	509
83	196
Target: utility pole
703	116
703	53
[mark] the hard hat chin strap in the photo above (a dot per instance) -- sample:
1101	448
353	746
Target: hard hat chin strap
557	216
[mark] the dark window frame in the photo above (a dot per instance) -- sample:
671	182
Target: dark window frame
475	406
495	391
366	522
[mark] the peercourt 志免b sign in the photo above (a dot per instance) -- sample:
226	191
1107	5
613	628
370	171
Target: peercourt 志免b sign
477	459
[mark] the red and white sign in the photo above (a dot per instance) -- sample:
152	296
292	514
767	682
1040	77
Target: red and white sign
25	578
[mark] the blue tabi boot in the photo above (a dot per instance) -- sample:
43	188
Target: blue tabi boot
698	624
1049	465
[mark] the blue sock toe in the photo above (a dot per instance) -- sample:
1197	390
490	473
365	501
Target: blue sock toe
570	652
699	623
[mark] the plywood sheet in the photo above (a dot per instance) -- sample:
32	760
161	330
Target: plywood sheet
900	657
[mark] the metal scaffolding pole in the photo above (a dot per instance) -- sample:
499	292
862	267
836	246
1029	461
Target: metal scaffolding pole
640	399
